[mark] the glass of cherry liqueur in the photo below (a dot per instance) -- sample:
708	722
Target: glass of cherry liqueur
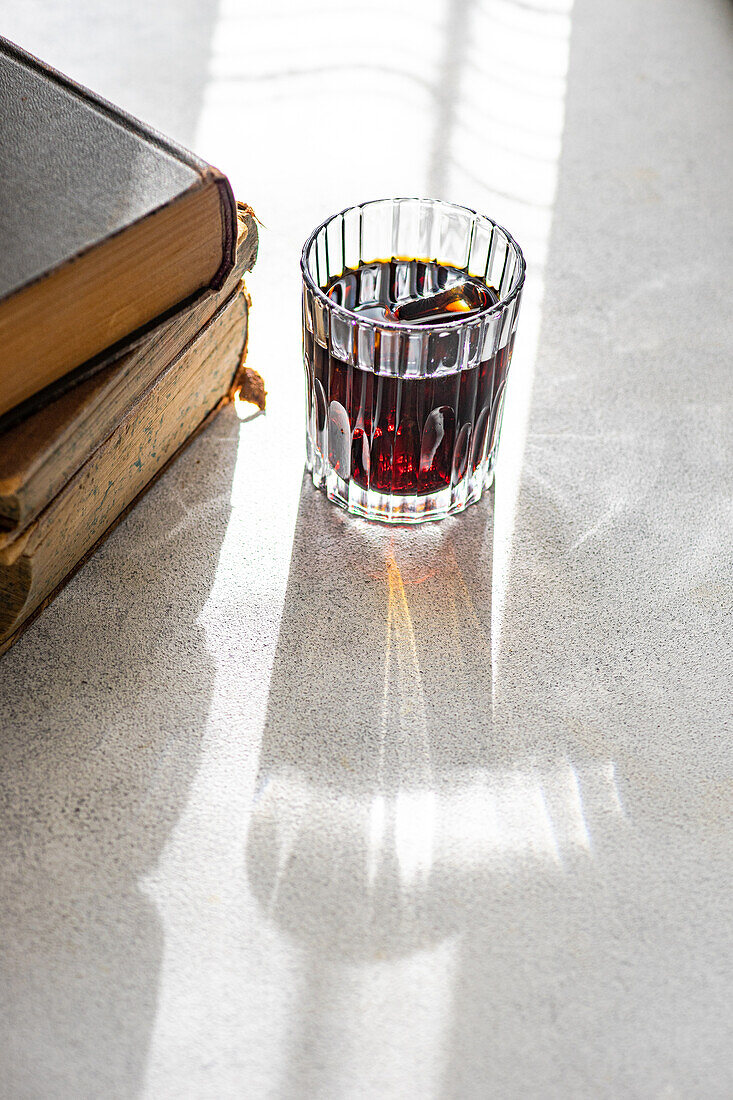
409	312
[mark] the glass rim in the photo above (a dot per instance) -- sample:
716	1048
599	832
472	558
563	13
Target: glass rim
399	326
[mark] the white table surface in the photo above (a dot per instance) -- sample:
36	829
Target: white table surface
296	807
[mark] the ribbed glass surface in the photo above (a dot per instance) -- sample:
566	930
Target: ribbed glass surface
403	420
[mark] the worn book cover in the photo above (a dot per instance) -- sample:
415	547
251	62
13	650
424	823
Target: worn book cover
104	225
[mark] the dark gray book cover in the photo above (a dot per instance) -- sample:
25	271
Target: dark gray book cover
76	172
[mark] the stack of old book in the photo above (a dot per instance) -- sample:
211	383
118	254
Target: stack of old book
123	320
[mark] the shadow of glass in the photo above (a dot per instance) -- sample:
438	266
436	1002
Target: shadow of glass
97	757
378	771
373	704
393	816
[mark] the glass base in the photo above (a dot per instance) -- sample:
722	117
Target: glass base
393	508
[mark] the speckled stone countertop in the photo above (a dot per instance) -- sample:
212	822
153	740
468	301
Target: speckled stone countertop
292	806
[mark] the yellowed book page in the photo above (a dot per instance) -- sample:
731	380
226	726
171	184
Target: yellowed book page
153	430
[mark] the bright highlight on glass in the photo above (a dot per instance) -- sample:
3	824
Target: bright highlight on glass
410	309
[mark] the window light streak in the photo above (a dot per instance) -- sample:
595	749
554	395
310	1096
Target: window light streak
376	837
515	188
574	805
475	629
504	819
609	775
402	678
414	825
413	810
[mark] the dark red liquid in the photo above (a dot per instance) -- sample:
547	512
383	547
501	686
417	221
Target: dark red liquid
395	434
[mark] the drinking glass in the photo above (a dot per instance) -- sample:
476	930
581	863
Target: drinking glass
403	420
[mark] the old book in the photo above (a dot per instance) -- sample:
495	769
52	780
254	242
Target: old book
41	453
104	225
196	383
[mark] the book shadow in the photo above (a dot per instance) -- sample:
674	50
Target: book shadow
104	703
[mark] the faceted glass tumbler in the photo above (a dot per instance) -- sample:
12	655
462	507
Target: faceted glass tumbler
403	421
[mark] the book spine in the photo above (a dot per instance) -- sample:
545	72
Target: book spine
228	207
